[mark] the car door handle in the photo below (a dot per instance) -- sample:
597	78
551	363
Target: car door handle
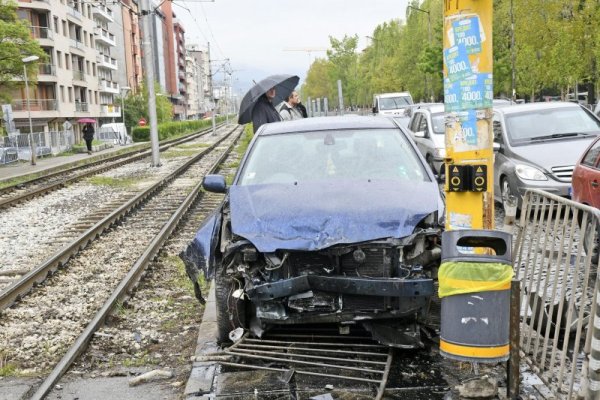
594	183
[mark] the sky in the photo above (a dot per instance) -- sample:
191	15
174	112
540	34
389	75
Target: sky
254	34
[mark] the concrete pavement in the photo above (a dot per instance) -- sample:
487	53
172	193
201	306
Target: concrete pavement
45	165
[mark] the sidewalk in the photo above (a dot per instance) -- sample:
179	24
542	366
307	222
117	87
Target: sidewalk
50	163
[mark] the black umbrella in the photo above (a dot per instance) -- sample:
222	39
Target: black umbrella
283	84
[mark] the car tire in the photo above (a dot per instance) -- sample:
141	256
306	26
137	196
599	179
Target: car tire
589	246
231	312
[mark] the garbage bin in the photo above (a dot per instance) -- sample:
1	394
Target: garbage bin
475	293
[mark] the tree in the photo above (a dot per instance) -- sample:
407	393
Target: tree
136	106
16	43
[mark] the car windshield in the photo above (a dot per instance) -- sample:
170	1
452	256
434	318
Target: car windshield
439	123
531	126
332	155
393	103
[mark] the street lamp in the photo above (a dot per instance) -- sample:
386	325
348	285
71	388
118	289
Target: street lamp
26	61
124	90
429	37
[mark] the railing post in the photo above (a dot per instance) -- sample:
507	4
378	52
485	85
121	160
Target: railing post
512	387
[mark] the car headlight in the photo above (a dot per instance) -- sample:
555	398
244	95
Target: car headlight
530	173
440	152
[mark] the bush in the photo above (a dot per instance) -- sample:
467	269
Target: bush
170	129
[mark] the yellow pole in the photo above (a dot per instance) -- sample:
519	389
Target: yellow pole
468	95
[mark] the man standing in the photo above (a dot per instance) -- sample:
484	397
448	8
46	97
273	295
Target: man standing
88	136
289	108
264	111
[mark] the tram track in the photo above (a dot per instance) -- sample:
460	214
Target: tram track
40	185
79	289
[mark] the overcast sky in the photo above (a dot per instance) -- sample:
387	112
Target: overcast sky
254	33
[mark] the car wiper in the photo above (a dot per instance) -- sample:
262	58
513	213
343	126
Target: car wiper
560	135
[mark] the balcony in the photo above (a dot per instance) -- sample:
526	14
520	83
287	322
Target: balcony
34	105
78	75
108	86
76	44
41	32
82	107
107	62
105	37
73	12
110	110
35	4
47	69
182	75
104	12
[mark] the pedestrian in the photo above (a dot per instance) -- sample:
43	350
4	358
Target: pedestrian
302	109
264	111
88	136
289	108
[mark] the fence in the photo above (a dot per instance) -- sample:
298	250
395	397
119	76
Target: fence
556	261
17	147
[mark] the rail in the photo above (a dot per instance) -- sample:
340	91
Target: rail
556	266
135	273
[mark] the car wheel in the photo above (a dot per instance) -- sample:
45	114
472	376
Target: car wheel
591	244
231	312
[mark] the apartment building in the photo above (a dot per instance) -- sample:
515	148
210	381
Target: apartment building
179	98
202	60
77	79
194	88
130	57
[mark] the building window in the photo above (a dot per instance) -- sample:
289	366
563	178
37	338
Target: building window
94	69
59	58
65	31
67	61
91	40
70	90
62	93
56	25
85	38
87	67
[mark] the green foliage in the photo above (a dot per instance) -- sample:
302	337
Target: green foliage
136	106
170	129
15	44
557	45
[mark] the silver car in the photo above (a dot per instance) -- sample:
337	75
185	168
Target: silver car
428	131
537	145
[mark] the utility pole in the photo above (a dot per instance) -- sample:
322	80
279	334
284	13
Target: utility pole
149	64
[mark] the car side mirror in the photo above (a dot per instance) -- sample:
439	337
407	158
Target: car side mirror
420	134
497	147
214	184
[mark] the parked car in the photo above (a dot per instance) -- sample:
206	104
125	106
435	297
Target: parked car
586	189
328	220
537	146
391	103
428	128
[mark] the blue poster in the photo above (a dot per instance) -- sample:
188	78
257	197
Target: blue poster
467	33
457	63
476	91
468	124
452	95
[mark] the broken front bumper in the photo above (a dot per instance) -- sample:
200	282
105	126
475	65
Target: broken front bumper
381	287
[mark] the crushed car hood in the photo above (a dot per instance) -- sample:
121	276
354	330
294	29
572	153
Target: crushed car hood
314	216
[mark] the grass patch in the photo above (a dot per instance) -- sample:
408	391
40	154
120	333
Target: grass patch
172	153
141	361
8	370
245	140
192	146
112	182
232	164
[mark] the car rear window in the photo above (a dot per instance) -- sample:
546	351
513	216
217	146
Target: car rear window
591	158
537	124
332	155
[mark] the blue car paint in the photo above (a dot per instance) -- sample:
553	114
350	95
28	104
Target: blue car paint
201	251
317	215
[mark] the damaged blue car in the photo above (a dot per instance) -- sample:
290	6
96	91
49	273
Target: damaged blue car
328	220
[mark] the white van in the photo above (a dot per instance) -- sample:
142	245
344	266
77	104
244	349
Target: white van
115	132
393	104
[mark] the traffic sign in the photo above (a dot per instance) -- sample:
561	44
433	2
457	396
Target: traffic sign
142	122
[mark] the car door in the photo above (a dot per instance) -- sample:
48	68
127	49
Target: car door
419	133
586	182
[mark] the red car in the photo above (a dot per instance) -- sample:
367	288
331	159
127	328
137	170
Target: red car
586	185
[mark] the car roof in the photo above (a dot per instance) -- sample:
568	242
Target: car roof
434	108
518	108
327	123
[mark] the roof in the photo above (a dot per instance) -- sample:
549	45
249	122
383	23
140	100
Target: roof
394	94
519	108
328	123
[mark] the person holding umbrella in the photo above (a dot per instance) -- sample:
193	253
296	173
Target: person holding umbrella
258	105
264	111
88	136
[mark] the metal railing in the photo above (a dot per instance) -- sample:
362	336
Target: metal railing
79	106
73	12
47	69
556	263
78	75
18	147
41	32
34	105
77	44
